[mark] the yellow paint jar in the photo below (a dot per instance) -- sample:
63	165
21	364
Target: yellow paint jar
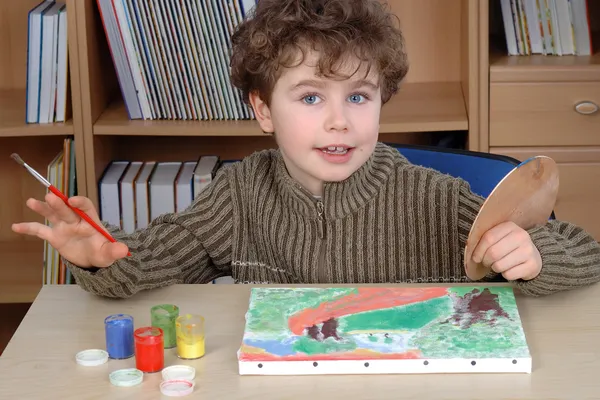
189	329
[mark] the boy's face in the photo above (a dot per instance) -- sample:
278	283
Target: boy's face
325	128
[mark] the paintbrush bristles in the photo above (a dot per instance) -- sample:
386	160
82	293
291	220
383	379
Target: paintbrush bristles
18	159
32	171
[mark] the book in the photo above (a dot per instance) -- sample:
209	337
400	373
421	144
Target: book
162	188
548	27
108	188
127	193
205	172
142	195
34	57
184	186
172	58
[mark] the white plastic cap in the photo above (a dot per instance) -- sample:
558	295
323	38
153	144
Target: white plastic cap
176	387
179	372
126	377
91	357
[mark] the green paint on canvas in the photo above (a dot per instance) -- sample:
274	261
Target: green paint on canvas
411	316
273	307
309	346
483	339
458	322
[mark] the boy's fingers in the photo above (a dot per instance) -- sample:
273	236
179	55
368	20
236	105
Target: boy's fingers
502	249
490	238
110	252
42	231
119	250
63	212
43	209
517	272
509	261
85	205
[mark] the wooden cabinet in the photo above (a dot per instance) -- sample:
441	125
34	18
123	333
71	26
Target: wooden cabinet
22	258
560	120
579	182
533	118
441	93
548	105
519	106
544	114
542	118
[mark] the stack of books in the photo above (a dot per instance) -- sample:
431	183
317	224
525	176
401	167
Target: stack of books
548	27
62	174
172	57
133	193
47	63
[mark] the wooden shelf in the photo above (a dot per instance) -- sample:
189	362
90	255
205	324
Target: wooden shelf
425	107
417	107
12	118
440	94
540	68
115	121
22	270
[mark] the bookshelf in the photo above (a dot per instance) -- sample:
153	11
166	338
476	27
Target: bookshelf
461	82
434	98
532	111
444	93
37	144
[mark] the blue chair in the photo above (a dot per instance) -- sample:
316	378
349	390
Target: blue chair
481	170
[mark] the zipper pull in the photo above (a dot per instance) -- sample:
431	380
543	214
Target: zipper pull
320	211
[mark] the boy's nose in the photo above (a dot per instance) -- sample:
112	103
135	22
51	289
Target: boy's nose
336	119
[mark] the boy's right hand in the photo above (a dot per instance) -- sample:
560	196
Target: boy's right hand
71	236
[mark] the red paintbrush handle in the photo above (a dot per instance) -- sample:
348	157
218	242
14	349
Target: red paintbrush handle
83	215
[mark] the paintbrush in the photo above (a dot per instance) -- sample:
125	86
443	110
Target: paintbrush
64	198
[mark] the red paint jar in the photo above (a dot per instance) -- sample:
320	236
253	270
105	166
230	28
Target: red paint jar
149	349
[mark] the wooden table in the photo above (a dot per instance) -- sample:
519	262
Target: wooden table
563	331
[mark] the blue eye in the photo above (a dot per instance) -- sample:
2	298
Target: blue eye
310	99
356	98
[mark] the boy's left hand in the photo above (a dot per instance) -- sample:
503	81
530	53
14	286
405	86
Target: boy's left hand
508	249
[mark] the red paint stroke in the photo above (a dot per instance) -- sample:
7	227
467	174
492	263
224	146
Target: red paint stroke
356	356
367	299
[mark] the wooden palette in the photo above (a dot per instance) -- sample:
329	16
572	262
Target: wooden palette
525	196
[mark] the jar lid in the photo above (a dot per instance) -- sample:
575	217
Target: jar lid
126	377
148	334
176	387
91	357
179	372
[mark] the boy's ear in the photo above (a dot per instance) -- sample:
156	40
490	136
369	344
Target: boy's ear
262	112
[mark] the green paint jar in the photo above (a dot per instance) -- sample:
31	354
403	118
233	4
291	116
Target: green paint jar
163	316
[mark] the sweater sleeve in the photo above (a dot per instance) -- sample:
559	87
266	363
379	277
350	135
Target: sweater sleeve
570	256
193	246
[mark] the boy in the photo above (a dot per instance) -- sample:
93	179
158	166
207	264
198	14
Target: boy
331	204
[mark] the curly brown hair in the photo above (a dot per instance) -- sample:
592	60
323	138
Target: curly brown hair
279	30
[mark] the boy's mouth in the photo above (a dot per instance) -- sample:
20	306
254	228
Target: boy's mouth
335	150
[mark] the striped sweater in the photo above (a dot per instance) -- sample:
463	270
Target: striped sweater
390	222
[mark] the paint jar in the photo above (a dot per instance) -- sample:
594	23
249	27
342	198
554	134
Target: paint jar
163	316
118	329
149	349
190	336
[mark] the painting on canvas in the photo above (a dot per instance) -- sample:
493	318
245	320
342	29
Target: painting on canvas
295	331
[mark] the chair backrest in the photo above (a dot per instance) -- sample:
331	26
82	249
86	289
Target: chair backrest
481	170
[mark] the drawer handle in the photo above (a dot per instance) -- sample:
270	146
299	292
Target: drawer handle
586	107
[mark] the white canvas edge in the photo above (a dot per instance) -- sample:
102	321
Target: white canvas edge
378	366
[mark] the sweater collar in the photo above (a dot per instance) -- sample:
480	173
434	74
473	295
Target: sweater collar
344	197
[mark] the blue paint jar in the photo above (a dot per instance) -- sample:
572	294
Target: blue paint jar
119	336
